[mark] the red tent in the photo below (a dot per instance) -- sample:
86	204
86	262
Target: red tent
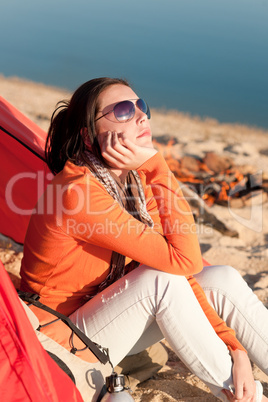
27	371
23	172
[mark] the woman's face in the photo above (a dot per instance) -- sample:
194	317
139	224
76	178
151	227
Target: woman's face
137	130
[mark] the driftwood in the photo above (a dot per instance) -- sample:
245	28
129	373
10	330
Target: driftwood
203	215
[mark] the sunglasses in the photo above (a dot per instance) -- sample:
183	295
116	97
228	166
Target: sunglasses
125	111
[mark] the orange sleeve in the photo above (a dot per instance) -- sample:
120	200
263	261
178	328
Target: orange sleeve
226	334
90	214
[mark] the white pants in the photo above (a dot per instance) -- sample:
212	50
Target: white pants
147	305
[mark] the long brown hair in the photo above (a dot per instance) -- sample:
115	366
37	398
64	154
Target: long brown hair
65	140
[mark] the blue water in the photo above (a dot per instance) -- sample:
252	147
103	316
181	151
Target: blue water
205	57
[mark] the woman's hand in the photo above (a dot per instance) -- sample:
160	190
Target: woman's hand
245	388
122	153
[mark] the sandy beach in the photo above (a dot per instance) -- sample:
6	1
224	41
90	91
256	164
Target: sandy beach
246	147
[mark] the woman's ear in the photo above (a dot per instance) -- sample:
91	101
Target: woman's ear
84	134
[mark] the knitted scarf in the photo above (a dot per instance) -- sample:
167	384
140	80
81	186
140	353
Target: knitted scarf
130	196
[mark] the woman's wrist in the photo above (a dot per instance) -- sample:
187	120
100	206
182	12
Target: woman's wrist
237	354
154	165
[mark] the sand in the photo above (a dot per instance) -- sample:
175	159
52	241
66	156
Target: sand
248	253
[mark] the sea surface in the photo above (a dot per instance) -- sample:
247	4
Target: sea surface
204	57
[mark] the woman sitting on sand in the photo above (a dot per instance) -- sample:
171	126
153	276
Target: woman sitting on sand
113	246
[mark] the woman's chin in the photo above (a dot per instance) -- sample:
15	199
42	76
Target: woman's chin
145	141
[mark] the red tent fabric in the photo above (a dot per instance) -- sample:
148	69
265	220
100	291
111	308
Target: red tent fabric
27	371
23	172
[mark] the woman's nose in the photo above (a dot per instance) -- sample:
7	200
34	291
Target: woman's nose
140	116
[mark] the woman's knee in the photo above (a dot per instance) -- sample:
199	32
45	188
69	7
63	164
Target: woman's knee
162	282
145	272
223	277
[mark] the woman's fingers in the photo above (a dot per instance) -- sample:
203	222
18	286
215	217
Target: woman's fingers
244	393
245	387
122	153
118	145
116	154
228	394
231	397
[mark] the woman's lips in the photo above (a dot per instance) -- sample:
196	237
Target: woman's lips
146	133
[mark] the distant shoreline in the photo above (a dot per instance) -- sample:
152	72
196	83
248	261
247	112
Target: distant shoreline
193	134
13	80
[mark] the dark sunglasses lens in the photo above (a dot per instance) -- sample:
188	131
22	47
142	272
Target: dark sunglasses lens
142	105
124	111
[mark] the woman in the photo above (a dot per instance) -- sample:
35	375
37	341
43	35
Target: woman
113	245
